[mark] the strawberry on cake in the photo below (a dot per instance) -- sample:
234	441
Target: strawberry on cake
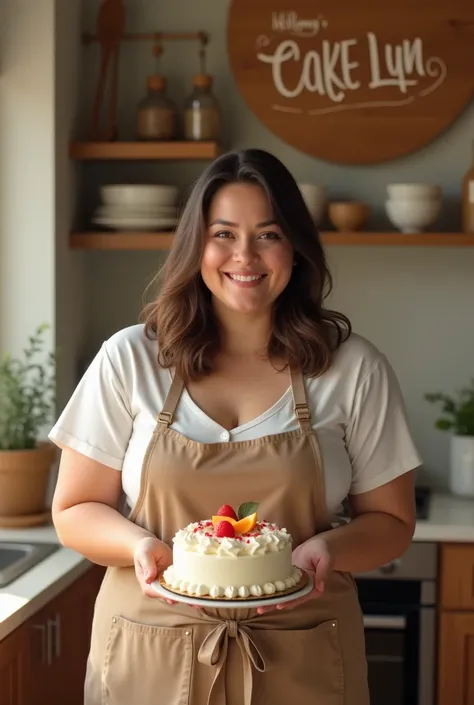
233	555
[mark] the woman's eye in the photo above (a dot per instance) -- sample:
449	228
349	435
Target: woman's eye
223	234
270	236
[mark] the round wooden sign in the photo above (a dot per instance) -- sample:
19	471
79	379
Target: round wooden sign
353	82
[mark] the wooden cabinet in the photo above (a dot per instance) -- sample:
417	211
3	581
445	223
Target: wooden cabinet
456	659
456	625
44	660
13	651
69	625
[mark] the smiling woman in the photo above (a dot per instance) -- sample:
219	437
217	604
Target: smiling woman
240	387
245	218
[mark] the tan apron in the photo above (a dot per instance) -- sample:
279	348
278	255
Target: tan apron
147	652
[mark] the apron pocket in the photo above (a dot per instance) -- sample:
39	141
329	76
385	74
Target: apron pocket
147	664
303	664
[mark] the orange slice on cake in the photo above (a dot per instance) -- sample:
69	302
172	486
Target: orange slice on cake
217	519
243	526
247	513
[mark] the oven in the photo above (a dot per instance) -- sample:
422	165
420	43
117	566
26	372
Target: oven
399	606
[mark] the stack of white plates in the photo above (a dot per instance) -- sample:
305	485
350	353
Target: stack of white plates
138	207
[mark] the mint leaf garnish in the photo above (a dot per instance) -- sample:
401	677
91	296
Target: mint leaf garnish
246	509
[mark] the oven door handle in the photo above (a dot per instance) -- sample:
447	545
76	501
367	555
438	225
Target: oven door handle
384	621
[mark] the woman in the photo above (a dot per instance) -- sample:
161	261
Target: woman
240	386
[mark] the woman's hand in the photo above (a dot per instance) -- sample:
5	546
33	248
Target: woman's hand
314	558
151	557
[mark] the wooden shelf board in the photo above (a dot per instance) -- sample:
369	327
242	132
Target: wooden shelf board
396	239
162	241
143	150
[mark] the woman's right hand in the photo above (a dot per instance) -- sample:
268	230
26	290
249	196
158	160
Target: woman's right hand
151	557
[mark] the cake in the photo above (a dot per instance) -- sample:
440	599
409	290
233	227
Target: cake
233	555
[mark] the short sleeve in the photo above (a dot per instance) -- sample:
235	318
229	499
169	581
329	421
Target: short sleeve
378	438
97	420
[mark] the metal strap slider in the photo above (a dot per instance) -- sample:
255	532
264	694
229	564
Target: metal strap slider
165	417
302	412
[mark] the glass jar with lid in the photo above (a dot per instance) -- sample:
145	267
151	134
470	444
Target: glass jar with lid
202	114
157	114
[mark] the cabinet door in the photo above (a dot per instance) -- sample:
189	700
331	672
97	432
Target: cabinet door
457	571
69	630
456	659
12	669
37	663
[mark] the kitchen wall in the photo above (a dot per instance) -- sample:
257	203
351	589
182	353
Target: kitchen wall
414	303
40	278
70	267
27	242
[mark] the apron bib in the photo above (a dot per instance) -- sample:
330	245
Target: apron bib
146	652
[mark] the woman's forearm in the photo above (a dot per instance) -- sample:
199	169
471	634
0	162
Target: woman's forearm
98	532
368	542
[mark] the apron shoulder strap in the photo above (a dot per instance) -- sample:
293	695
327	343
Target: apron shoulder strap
301	406
166	414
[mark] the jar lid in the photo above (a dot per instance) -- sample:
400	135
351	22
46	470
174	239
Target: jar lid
156	82
202	80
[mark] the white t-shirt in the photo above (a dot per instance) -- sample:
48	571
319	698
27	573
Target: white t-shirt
357	408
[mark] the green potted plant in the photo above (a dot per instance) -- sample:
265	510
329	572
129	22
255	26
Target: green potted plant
457	416
27	404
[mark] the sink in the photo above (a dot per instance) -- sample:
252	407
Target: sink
17	558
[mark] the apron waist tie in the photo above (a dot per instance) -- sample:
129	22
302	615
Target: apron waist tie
213	652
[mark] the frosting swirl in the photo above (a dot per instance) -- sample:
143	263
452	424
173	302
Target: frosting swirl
232	591
200	537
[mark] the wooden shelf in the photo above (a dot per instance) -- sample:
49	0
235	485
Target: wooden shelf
162	241
396	239
143	150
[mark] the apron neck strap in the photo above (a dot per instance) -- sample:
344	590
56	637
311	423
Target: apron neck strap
172	398
301	407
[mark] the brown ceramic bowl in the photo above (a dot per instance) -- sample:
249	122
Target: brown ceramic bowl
348	216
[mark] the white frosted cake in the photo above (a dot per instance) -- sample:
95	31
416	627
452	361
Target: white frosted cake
232	555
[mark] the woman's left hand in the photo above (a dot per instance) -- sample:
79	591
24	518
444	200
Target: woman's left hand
315	558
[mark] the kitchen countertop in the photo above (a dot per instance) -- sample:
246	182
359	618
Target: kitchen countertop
25	596
450	519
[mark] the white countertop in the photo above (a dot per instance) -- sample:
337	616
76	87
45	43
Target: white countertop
450	519
24	597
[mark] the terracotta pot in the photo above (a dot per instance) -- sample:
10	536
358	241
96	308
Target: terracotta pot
348	216
24	480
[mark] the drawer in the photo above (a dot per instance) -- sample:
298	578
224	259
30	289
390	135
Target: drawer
457	577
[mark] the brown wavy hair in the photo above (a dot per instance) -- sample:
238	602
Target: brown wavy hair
182	318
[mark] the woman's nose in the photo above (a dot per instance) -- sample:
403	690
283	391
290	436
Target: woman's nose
245	251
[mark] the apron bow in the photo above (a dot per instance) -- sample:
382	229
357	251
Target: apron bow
213	652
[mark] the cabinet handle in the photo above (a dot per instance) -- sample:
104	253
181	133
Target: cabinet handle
54	635
44	638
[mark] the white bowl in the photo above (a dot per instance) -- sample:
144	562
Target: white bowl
139	195
315	197
412	216
413	191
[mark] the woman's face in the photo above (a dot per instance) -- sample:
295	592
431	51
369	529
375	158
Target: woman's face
247	260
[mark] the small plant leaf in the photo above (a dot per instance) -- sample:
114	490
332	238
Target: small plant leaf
246	509
27	394
444	424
